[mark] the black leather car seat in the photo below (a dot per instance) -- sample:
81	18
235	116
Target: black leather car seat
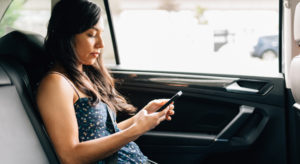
23	138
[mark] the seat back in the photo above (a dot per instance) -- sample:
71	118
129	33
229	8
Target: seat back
294	71
295	79
23	138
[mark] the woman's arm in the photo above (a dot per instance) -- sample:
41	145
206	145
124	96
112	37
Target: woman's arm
126	123
55	101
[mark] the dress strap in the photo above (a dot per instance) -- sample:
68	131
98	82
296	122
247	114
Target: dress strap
72	85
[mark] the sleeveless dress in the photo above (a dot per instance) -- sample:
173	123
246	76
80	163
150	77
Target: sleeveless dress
96	122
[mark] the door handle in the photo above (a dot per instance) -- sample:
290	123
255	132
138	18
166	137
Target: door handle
235	124
235	87
297	106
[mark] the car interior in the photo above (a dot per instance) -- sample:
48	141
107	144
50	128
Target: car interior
219	118
21	68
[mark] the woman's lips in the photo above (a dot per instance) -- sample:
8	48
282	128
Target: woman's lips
95	54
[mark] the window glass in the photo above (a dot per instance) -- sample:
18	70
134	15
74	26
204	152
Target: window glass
204	36
34	15
26	15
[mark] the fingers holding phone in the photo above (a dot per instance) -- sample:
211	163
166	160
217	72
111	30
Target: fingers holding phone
170	113
171	100
170	105
154	105
155	112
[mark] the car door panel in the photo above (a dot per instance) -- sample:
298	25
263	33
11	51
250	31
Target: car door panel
210	120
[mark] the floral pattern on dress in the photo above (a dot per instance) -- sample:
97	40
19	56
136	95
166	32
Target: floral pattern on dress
95	122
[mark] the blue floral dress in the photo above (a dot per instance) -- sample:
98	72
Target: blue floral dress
95	122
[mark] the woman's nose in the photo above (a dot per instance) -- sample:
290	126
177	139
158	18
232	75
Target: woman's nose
99	43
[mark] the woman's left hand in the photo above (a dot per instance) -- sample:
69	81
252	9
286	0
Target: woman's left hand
161	102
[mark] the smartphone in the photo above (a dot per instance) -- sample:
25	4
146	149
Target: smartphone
173	98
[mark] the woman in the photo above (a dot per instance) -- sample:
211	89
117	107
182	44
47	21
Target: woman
77	99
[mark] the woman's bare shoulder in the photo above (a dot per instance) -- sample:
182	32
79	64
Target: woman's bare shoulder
51	81
54	86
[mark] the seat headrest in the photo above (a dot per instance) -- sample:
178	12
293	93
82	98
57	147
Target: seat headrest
297	23
295	78
26	49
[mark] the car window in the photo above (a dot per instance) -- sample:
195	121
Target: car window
203	36
26	15
34	15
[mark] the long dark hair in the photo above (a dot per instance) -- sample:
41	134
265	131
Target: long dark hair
68	19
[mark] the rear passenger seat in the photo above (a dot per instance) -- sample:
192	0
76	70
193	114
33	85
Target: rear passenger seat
23	138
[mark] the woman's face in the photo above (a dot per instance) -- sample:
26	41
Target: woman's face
89	44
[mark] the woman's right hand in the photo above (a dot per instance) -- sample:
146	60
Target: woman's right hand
147	118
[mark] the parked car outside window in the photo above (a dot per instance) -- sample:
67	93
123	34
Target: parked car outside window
266	47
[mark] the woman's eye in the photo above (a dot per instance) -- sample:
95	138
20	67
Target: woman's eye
91	35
